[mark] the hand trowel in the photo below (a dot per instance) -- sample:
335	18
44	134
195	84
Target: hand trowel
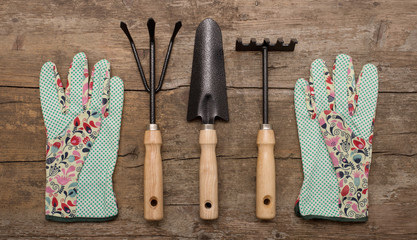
208	101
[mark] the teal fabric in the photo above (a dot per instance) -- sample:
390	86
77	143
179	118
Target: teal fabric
96	198
319	193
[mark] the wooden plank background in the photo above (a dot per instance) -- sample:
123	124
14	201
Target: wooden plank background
381	32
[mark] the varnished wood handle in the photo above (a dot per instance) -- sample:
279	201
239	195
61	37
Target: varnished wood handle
153	188
208	175
265	175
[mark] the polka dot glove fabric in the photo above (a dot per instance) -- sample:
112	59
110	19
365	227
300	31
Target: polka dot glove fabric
335	120
82	124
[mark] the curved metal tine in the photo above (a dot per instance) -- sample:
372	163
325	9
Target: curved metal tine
123	26
151	28
177	28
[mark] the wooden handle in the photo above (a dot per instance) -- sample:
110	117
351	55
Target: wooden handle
265	175
208	175
153	188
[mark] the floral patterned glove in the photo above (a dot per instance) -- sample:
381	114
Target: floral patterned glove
78	166
336	146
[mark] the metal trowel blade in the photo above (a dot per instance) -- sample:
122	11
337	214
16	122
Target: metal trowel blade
208	97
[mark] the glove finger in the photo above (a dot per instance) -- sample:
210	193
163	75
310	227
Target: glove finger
116	99
303	106
344	80
318	75
310	99
367	88
100	87
95	199
52	97
330	91
319	194
78	83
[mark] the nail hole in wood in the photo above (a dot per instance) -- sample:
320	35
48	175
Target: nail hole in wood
267	201
207	205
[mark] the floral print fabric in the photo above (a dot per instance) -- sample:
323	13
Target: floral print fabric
65	157
351	158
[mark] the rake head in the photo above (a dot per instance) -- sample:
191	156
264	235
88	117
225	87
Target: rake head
265	47
278	46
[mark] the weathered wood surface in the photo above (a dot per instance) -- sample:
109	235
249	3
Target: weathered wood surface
380	32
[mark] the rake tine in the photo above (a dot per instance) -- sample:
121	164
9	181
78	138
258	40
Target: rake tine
292	43
252	42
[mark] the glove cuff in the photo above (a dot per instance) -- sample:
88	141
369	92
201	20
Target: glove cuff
79	219
318	217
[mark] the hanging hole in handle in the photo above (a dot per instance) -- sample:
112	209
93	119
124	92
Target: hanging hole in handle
267	200
153	202
207	205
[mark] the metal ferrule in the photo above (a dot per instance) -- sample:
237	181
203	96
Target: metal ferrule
266	127
207	127
152	127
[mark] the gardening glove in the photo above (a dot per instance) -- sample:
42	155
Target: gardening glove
83	126
335	120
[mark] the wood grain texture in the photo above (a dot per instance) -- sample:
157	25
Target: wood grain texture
381	32
208	178
265	175
153	189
